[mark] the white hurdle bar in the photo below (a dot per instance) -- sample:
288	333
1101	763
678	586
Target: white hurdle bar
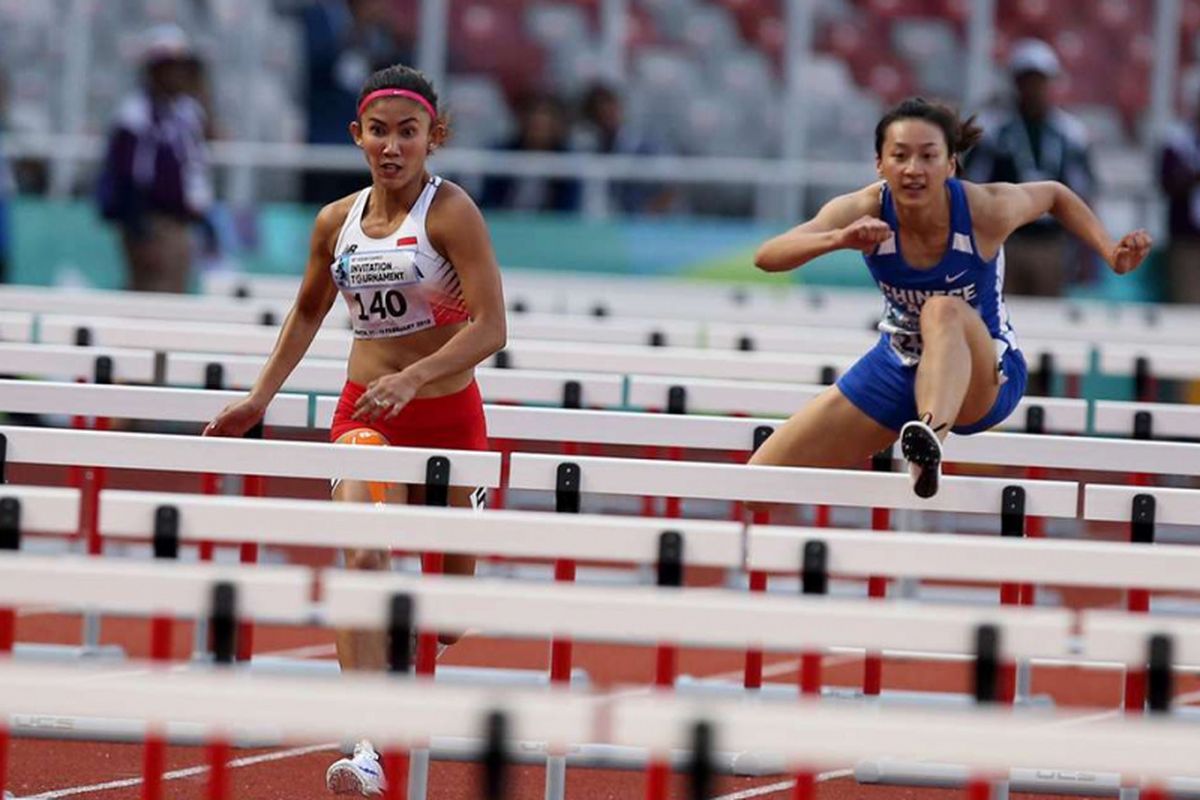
1072	357
712	396
16	326
595	537
813	736
1164	420
43	510
186	336
151	588
1164	361
948	556
397	714
1124	638
142	305
232	705
61	361
513	534
692	617
737	434
1115	504
244	456
787	485
619	359
140	402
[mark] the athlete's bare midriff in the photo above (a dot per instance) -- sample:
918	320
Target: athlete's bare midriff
375	358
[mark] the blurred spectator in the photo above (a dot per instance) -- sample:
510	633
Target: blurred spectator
156	183
542	127
7	188
1035	141
345	41
605	129
1179	176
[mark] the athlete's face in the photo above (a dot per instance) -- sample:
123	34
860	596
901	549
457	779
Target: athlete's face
396	136
915	161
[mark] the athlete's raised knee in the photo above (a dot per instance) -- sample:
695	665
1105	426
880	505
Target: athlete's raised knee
942	311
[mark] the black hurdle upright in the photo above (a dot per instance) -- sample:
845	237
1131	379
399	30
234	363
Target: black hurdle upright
987	683
437	493
1141	531
10	539
669	575
401	629
752	674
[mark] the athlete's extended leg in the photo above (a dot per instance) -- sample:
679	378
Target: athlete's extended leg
829	431
957	383
453	563
365	649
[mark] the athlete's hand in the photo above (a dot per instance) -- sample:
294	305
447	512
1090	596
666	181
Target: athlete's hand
385	397
237	418
1130	252
864	234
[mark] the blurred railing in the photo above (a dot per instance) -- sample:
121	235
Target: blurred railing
781	184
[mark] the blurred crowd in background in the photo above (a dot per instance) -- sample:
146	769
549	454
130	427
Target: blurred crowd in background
1070	90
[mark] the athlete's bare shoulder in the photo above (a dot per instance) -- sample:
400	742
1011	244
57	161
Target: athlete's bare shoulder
452	209
334	214
330	220
451	197
865	201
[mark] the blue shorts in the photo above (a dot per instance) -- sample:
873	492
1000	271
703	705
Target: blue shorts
883	388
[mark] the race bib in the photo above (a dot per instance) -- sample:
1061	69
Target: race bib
383	268
383	293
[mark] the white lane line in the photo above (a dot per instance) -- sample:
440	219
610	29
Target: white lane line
189	772
782	786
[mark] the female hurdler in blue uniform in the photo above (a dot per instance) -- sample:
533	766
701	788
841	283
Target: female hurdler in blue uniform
947	358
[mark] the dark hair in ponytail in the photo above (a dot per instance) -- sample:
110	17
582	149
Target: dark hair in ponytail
961	135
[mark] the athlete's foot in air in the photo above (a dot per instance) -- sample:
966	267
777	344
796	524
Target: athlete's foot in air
923	450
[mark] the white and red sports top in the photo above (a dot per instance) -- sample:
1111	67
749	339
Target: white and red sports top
397	284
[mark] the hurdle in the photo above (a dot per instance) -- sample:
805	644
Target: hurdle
75	362
141	402
700	617
16	326
432	468
397	712
1147	420
146	305
356	599
767	398
186	335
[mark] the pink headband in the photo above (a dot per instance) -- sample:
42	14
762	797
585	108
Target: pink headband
378	93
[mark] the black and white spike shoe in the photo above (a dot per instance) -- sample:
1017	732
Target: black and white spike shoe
923	451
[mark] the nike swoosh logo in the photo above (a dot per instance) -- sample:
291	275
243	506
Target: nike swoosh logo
953	278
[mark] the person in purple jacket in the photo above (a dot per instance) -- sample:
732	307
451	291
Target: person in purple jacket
156	183
947	358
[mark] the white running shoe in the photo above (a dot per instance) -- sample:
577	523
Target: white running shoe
361	774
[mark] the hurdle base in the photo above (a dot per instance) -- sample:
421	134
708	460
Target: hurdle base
789	692
1034	781
470	676
67	652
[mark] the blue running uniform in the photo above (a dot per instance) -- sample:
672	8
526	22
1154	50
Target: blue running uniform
881	383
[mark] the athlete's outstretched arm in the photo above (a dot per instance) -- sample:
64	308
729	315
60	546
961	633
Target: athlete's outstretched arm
847	221
314	299
457	230
1004	207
